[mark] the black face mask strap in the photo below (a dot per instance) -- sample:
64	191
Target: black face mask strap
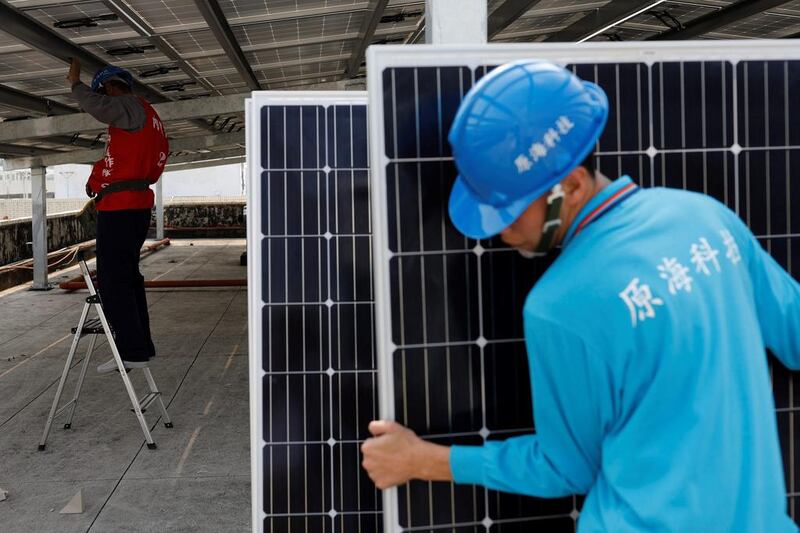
552	220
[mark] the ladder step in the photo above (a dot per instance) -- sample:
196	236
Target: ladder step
147	399
63	408
91	327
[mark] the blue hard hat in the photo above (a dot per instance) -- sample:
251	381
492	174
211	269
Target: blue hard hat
111	72
518	132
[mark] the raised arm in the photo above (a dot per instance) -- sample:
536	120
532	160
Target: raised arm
125	112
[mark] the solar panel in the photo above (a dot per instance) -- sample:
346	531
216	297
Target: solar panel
313	372
452	362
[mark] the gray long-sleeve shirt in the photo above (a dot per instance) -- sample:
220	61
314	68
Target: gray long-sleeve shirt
125	112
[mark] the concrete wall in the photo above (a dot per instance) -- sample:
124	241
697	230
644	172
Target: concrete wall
21	208
11	209
201	215
62	230
198	220
191	219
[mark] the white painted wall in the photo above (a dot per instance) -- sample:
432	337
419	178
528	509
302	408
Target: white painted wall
211	181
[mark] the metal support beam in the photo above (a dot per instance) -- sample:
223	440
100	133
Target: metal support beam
600	20
23	151
39	223
37	105
29	103
160	208
215	18
207	163
197	142
83	122
141	62
72	140
217	154
455	21
719	19
416	35
37	35
567	8
502	17
367	31
33	4
145	30
123	35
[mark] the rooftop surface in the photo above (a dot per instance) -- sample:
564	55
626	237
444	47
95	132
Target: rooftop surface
198	479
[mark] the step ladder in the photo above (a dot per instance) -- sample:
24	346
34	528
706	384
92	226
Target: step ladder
92	328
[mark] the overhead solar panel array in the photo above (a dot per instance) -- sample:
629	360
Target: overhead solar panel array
287	43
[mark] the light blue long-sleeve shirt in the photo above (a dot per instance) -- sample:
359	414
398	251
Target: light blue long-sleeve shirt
650	382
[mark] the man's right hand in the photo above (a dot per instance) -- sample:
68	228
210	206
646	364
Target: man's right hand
89	192
74	75
395	455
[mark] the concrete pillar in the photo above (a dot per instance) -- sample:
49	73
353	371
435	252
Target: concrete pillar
39	216
160	209
455	21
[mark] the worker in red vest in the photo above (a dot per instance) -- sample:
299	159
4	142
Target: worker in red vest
136	153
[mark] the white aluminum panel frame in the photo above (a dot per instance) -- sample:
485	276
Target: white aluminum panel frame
382	57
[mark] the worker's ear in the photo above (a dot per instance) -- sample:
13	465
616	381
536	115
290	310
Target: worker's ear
576	186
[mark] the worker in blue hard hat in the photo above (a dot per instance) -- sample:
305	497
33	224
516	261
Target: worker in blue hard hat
135	156
646	337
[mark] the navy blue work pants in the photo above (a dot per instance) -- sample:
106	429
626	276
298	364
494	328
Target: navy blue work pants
120	236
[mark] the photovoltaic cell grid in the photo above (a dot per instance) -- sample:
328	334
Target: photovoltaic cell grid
459	363
317	368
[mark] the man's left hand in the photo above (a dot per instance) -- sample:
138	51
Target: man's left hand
74	75
393	456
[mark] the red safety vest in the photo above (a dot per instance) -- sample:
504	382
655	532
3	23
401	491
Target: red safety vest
139	155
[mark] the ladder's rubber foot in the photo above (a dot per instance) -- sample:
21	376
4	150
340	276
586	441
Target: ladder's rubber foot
151	445
41	447
168	424
67	426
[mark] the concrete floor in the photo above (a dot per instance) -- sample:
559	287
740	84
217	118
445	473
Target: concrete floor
198	479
